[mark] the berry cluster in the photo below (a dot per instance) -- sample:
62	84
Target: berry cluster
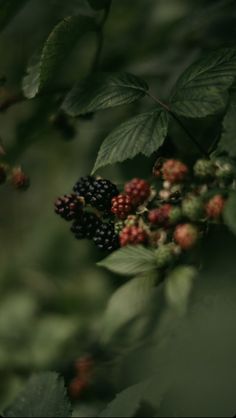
89	207
170	215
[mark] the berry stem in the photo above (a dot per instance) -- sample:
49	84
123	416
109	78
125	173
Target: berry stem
181	124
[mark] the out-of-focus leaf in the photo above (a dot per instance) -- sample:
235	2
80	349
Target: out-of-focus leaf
130	261
203	88
99	4
228	139
102	91
143	134
178	287
44	396
55	52
230	212
9	9
129	303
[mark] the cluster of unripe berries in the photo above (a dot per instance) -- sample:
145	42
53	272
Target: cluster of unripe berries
170	215
16	176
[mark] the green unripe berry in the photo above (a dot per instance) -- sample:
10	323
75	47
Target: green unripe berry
175	215
164	255
225	172
119	226
193	208
204	169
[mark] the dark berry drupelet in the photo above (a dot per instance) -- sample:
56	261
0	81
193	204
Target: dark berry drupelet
69	206
100	194
105	238
85	226
83	185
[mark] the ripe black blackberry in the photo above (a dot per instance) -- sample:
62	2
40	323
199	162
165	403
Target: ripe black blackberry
105	238
69	206
86	226
83	185
100	194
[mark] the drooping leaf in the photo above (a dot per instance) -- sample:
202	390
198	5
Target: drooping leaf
228	139
129	307
130	261
178	287
203	89
9	9
55	51
44	396
143	134
230	213
102	91
99	4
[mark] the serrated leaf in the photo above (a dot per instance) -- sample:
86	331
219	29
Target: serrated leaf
228	139
130	261
230	212
102	91
143	134
99	4
55	51
129	303
178	287
44	396
9	9
202	90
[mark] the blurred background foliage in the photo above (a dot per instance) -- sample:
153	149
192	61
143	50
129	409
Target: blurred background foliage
52	295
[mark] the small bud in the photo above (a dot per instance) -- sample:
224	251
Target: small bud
19	179
204	169
225	172
193	208
165	195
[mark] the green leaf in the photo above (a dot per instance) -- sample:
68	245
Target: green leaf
230	212
130	261
202	90
228	139
99	4
55	51
102	91
44	396
130	304
143	134
178	287
8	10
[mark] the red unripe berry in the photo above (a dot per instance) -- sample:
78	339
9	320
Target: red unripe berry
186	235
215	207
174	171
138	190
77	387
160	216
19	179
133	236
122	206
84	367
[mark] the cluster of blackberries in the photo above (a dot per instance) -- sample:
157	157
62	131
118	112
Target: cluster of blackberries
169	215
89	207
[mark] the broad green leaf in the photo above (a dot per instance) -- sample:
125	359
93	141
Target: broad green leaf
55	51
102	91
228	139
9	9
230	212
128	309
44	396
130	261
203	88
99	4
143	134
178	287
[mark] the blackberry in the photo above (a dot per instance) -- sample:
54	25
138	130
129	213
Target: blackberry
85	226
100	194
105	238
83	185
69	206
